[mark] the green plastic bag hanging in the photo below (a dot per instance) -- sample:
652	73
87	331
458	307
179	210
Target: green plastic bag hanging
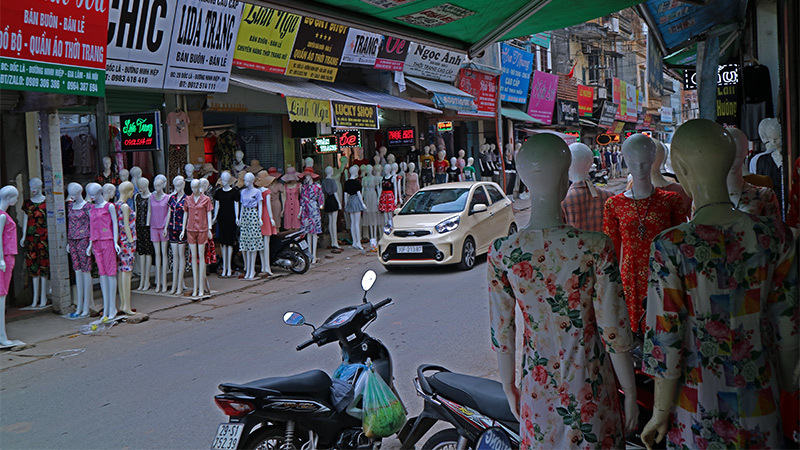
384	415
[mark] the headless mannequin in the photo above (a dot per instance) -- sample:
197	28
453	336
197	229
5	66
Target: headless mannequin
702	155
8	197
124	278
226	250
333	216
265	258
238	164
543	164
426	166
159	248
83	279
198	250
39	283
108	284
145	261
178	248
355	217
250	256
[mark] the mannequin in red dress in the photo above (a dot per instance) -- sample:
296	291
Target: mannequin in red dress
633	218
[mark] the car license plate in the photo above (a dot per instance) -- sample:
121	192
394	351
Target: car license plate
228	435
409	249
303	244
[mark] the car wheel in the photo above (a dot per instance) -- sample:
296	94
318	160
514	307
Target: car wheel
512	228
468	253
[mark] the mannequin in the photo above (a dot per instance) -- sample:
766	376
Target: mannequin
426	166
238	164
769	130
126	217
291	206
337	177
483	163
453	172
386	202
461	162
412	181
8	250
196	229
268	226
413	156
210	255
109	192
662	183
370	188
331	204
188	169
382	151
578	265
311	201
390	158
756	200
226	216
401	181
634	217
174	232
77	243
157	212
510	170
440	167
144	243
250	241
277	196
583	205
716	365
136	175
107	175
377	159
104	245
354	205
398	196
469	170
33	215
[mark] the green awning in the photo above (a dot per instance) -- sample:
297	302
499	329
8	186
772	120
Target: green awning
464	25
515	114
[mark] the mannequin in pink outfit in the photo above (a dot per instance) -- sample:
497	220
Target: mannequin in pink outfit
197	231
103	244
156	219
9	195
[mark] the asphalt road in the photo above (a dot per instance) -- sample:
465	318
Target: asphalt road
151	385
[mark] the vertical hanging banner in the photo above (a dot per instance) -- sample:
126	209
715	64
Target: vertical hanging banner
431	62
616	95
51	46
517	66
622	113
631	99
543	96
483	87
585	101
138	43
392	54
361	48
203	40
265	39
317	50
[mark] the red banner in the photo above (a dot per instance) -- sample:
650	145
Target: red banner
585	101
617	87
483	87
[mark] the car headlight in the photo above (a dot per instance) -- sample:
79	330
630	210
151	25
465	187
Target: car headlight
448	225
387	229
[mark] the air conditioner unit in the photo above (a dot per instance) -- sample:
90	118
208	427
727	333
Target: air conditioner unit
601	92
615	24
323	129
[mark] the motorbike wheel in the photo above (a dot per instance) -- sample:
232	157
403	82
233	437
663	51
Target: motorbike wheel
443	440
270	438
300	262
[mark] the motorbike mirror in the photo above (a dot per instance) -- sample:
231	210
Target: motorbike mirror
294	318
493	439
368	280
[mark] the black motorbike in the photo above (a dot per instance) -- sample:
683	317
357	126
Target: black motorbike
472	405
287	249
312	409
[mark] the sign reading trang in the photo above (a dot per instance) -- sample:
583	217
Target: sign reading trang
140	132
308	110
317	50
354	115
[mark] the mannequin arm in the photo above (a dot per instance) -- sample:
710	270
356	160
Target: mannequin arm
347	197
183	226
126	216
149	211
113	211
236	212
210	224
268	205
23	223
656	428
361	199
623	368
169	217
2	255
260	212
216	211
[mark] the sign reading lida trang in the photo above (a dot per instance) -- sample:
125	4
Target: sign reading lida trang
141	131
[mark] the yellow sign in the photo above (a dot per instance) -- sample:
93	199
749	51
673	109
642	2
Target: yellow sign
265	39
445	126
308	110
623	100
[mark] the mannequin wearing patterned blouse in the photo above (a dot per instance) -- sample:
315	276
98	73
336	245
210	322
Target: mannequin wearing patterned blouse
756	200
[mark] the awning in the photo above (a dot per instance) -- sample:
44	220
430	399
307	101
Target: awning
467	26
445	95
587	122
290	88
383	100
515	114
568	138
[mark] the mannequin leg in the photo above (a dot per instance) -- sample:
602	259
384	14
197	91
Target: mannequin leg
181	286
79	298
43	292
175	264
112	294
229	259
313	248
246	265
332	217
200	262
265	266
148	261
4	340
355	229
195	274
87	293
250	265
164	268
124	287
35	282
157	262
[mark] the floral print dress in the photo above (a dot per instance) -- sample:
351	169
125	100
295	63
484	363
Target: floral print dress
37	251
567	284
310	201
127	249
759	201
722	300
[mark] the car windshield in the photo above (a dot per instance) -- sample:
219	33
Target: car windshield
437	201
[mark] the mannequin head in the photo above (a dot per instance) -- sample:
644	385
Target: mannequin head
109	191
204	184
8	196
394	167
95	192
143	184
769	130
582	159
390	158
470	161
543	165
735	174
353	172
225	178
248	179
239	156
492	147
382	151
125	191
195	185
160	183
411	167
366	170
74	190
376	170
639	152
517	147
309	162
403	167
329	172
124	175
178	183
106	163
440	155
35	186
462	154
426	150
136	173
453	162
387	170
188	169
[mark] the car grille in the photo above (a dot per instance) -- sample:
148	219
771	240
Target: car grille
411	233
428	252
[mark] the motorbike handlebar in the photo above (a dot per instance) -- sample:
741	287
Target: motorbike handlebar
305	344
382	303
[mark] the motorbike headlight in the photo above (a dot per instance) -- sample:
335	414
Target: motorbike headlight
448	224
387	229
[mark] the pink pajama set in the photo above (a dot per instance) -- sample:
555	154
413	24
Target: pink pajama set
101	233
9	252
158	217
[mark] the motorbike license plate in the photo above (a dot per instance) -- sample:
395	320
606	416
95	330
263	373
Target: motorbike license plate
228	435
409	249
303	244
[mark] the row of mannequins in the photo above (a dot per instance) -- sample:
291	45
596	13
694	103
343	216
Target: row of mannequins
714	297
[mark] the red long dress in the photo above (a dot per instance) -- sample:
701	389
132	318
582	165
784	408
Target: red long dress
621	223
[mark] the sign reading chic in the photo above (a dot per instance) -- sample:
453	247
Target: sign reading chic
348	138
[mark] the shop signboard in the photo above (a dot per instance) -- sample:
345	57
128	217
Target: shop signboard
348	138
585	100
399	137
483	87
630	100
567	112
138	43
655	65
317	50
728	95
354	115
576	133
517	66
444	126
265	40
50	46
622	100
361	48
666	114
326	144
392	54
543	96
308	110
140	132
202	44
607	114
431	62
541	39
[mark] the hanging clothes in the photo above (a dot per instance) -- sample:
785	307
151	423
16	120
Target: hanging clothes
84	147
176	160
115	142
37	251
227	145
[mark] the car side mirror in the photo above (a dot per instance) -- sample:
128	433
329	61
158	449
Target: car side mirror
480	207
397	211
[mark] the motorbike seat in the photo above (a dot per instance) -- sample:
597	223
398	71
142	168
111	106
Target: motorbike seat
486	396
314	384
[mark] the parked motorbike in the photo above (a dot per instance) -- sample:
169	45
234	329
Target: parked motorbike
598	176
287	250
472	405
311	409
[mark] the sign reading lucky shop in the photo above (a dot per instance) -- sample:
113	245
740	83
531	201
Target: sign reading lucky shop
354	115
52	46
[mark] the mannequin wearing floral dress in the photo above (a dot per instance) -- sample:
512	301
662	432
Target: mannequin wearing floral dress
311	200
749	198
